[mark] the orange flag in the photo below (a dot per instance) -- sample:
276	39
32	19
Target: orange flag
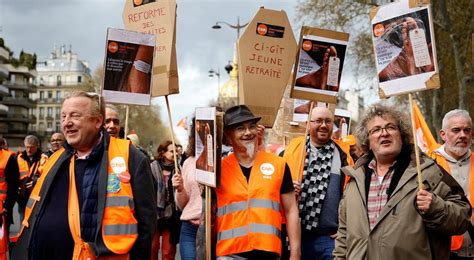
426	142
183	123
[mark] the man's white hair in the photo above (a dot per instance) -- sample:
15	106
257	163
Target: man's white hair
454	113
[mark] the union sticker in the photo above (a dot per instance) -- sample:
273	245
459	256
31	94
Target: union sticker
118	165
267	169
113	183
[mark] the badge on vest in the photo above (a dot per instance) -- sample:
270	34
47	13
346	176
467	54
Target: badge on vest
113	183
267	170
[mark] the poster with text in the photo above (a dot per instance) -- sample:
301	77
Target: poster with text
205	149
157	17
404	47
318	69
127	67
266	56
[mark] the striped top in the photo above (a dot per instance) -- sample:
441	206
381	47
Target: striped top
377	197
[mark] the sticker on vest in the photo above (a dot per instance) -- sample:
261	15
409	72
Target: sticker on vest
118	165
43	160
267	170
124	177
113	183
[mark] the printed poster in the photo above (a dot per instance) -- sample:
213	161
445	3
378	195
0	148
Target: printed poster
404	47
127	67
342	123
319	64
205	141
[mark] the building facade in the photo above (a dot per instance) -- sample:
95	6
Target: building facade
16	86
57	75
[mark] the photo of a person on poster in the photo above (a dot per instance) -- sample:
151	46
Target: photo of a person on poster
205	145
403	46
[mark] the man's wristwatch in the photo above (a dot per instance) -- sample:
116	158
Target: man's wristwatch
142	66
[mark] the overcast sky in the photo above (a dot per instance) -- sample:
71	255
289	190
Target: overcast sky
36	26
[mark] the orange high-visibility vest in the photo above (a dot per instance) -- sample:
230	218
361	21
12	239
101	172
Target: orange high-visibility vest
25	170
248	214
4	157
456	241
119	226
295	154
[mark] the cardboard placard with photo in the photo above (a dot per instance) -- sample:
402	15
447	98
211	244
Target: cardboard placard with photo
127	67
318	70
158	18
266	52
404	48
342	123
207	146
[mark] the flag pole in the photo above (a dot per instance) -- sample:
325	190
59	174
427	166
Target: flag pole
415	143
172	135
208	222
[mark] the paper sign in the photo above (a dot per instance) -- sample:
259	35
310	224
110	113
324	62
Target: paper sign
342	123
158	18
404	47
206	141
266	55
127	67
318	69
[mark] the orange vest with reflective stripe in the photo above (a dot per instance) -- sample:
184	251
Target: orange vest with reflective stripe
4	157
248	214
25	170
456	241
119	226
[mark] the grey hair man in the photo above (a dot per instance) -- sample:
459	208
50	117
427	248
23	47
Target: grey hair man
456	157
383	215
112	120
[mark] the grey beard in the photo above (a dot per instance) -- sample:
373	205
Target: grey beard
459	151
250	149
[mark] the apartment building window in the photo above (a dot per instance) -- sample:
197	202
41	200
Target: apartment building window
41	95
50	112
50	94
50	126
41	112
58	95
58	113
58	127
79	79
58	80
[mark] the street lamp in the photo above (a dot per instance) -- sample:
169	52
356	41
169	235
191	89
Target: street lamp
237	26
217	73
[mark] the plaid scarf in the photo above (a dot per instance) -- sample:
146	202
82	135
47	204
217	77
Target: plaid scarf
315	184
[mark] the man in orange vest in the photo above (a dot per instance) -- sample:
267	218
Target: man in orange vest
316	161
29	162
456	157
95	196
8	192
57	140
253	186
112	120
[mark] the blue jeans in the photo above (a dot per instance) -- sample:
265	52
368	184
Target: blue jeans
187	241
316	247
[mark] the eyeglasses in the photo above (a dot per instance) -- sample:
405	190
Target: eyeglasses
390	128
114	120
241	129
320	121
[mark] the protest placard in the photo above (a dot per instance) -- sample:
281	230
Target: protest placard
318	70
266	52
158	18
127	67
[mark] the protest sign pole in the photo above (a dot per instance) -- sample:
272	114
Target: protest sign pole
303	148
172	135
415	144
126	120
208	222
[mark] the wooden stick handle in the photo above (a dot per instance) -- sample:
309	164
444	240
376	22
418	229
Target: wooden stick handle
172	135
415	143
303	148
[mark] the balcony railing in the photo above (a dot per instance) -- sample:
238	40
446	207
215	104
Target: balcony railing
18	101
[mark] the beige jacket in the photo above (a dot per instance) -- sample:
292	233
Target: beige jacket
402	232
